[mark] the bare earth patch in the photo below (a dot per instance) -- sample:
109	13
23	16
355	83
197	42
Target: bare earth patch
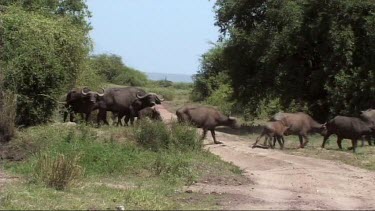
283	181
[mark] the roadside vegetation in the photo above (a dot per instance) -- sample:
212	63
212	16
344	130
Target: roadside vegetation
80	167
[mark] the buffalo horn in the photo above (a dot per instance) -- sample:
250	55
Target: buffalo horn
83	92
141	97
101	94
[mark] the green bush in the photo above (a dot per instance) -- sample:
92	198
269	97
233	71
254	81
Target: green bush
39	68
59	171
158	137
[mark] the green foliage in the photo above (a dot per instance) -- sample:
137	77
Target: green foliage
132	77
221	98
59	172
76	10
309	54
39	68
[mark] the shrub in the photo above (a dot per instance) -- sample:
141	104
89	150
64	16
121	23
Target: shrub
58	171
152	135
185	138
157	136
39	68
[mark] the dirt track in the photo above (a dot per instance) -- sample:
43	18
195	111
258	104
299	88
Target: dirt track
285	181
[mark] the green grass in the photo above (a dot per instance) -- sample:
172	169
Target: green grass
117	171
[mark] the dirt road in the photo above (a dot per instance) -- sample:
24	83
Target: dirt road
285	181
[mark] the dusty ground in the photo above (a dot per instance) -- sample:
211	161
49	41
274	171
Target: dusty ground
282	181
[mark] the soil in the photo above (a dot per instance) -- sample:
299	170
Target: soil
283	181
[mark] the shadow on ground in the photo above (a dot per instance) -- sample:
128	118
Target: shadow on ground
243	130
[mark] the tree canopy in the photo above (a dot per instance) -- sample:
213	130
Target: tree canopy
314	55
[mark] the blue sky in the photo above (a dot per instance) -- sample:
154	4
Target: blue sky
166	36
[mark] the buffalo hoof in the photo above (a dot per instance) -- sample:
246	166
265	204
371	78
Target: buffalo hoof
218	142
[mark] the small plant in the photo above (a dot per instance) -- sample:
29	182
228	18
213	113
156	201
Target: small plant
58	171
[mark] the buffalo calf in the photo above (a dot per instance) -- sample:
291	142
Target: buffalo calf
273	130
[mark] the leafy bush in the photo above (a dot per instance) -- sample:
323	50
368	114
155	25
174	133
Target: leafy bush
39	68
59	171
158	137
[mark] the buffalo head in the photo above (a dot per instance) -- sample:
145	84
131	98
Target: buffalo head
149	99
233	123
92	96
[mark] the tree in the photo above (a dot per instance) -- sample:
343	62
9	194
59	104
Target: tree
40	68
310	54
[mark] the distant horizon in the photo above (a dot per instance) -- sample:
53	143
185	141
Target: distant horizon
174	77
163	36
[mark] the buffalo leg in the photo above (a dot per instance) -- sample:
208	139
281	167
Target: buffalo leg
306	140
354	145
87	117
279	140
258	139
325	139
283	141
300	141
65	115
339	140
126	121
204	134
214	137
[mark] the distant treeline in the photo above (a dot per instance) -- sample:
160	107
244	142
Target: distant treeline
308	55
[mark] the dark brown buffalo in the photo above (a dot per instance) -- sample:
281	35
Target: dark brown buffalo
369	116
82	101
126	101
273	130
352	128
300	124
149	112
206	118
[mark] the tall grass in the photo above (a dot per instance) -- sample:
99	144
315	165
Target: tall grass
8	106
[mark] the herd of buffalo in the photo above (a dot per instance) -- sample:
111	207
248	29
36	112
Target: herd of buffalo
131	102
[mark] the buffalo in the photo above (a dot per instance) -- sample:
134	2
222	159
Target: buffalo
299	124
369	116
206	118
352	128
82	101
126	102
273	130
149	112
